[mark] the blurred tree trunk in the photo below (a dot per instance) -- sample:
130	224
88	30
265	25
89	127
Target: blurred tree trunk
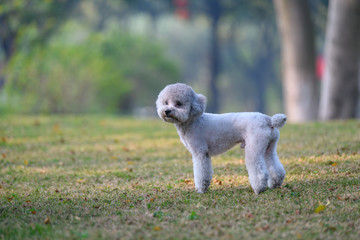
7	42
339	92
214	15
300	85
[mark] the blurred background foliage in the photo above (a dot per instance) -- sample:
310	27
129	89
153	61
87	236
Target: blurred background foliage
91	56
81	72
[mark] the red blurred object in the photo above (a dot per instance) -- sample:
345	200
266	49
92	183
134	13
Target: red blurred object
320	67
181	9
180	3
182	13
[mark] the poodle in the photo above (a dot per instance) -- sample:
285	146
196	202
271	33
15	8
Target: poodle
206	135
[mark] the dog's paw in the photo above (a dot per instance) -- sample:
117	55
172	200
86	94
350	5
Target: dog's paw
203	186
259	189
275	182
201	190
259	184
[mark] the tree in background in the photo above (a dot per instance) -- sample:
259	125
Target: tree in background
300	85
251	56
235	15
230	52
107	72
32	20
340	89
213	10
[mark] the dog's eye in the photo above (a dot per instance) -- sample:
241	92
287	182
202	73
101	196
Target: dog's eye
178	104
166	102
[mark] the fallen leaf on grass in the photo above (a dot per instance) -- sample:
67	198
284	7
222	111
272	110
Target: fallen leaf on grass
56	128
47	220
157	228
264	228
319	208
36	123
3	155
26	162
81	180
188	181
218	182
331	228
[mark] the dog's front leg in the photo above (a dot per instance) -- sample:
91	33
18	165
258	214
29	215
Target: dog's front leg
202	172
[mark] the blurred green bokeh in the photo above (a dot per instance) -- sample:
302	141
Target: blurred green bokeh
114	56
81	72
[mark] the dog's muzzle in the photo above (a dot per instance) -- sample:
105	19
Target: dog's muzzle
168	116
167	113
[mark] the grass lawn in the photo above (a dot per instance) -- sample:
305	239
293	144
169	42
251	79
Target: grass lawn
103	177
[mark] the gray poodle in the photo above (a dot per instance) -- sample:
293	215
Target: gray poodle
206	134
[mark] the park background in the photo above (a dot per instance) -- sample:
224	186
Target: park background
105	56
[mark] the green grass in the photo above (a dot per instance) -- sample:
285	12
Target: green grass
94	177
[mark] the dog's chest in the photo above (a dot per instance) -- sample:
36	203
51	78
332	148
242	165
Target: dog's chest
182	138
197	141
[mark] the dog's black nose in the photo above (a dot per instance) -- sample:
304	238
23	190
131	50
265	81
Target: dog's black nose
167	112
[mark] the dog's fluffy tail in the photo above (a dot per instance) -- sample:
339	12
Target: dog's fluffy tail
278	120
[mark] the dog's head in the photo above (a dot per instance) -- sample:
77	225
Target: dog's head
178	103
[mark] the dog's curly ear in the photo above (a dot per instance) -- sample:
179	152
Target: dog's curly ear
198	106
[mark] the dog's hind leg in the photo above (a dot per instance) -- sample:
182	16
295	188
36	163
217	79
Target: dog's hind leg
255	165
275	168
202	172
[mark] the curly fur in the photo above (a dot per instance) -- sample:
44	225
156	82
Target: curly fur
206	135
